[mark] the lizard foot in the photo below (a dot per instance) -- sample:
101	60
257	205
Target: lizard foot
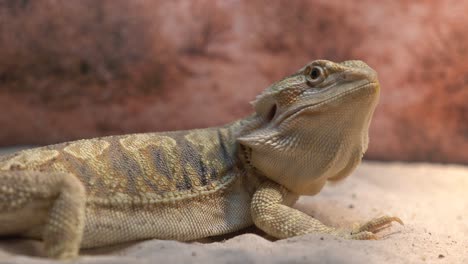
368	230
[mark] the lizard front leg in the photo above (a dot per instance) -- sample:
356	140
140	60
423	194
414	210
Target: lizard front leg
44	205
270	214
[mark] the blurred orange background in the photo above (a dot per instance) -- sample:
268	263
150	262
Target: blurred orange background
80	69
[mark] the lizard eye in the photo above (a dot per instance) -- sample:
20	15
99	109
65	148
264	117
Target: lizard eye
314	75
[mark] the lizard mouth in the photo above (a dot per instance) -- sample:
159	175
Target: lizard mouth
294	112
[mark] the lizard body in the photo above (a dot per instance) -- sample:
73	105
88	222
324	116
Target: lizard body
308	128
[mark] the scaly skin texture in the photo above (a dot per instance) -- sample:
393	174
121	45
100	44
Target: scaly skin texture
308	128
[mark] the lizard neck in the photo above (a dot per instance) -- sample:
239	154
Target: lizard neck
253	178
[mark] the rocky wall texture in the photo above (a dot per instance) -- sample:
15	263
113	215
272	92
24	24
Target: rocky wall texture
79	69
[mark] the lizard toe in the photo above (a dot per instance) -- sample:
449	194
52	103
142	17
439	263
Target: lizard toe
377	224
365	235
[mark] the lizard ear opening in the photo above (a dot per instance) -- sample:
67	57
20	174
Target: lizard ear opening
266	107
271	114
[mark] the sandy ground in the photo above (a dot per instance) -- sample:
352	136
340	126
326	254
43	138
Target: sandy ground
432	200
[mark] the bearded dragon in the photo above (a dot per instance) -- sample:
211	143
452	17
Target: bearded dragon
307	129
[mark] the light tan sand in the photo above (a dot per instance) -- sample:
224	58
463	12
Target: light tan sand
432	200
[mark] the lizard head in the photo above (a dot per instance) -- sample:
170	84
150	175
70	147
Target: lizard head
313	125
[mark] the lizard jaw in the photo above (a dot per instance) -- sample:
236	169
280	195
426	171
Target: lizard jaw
289	114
